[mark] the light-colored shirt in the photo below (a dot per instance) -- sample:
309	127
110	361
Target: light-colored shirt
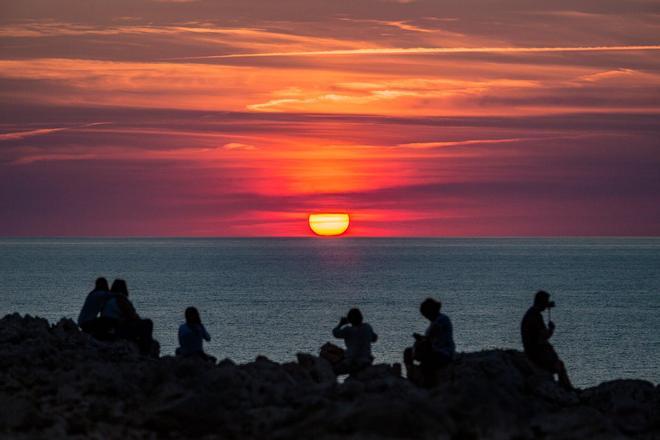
93	305
358	341
191	338
441	334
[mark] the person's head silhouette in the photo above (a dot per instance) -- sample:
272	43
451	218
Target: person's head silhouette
101	284
542	300
430	308
355	317
119	286
192	316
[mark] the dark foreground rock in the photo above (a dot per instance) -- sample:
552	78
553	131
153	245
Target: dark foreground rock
56	382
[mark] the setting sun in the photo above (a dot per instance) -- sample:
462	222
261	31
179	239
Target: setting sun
327	224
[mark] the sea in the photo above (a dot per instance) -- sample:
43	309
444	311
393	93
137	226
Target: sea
279	296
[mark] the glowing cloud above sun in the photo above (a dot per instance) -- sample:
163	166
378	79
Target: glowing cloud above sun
329	224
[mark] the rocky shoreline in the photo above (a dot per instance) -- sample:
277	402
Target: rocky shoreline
57	382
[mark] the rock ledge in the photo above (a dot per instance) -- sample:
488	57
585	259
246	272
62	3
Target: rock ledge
57	382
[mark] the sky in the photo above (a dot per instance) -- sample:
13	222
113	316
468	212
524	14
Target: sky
416	117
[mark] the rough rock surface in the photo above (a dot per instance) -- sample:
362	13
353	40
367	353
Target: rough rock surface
56	382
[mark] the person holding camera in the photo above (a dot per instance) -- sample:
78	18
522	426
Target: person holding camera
435	349
536	336
358	337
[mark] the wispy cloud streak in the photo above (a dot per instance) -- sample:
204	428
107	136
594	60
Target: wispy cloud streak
16	135
431	50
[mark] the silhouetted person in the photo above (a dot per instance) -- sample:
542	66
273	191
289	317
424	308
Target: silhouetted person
128	323
536	336
435	349
192	335
88	319
358	337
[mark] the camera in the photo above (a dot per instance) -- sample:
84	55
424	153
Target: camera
551	304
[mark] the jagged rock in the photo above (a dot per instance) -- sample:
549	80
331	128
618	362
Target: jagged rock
632	405
319	368
18	412
575	423
57	382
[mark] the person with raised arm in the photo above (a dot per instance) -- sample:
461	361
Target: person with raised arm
358	337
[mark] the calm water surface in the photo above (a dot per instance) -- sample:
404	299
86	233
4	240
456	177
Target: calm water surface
280	296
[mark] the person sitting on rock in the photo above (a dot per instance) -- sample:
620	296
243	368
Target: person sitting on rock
536	336
88	319
434	350
192	335
358	338
127	322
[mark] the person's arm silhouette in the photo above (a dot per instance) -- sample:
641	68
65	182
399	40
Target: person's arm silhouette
339	331
551	329
205	334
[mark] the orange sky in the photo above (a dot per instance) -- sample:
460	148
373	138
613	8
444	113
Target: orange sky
196	118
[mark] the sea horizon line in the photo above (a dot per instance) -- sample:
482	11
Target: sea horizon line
330	238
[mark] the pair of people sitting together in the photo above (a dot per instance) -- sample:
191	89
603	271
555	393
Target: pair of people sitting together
108	314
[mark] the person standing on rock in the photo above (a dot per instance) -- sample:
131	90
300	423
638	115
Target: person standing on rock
128	323
536	336
88	319
358	337
435	349
192	335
